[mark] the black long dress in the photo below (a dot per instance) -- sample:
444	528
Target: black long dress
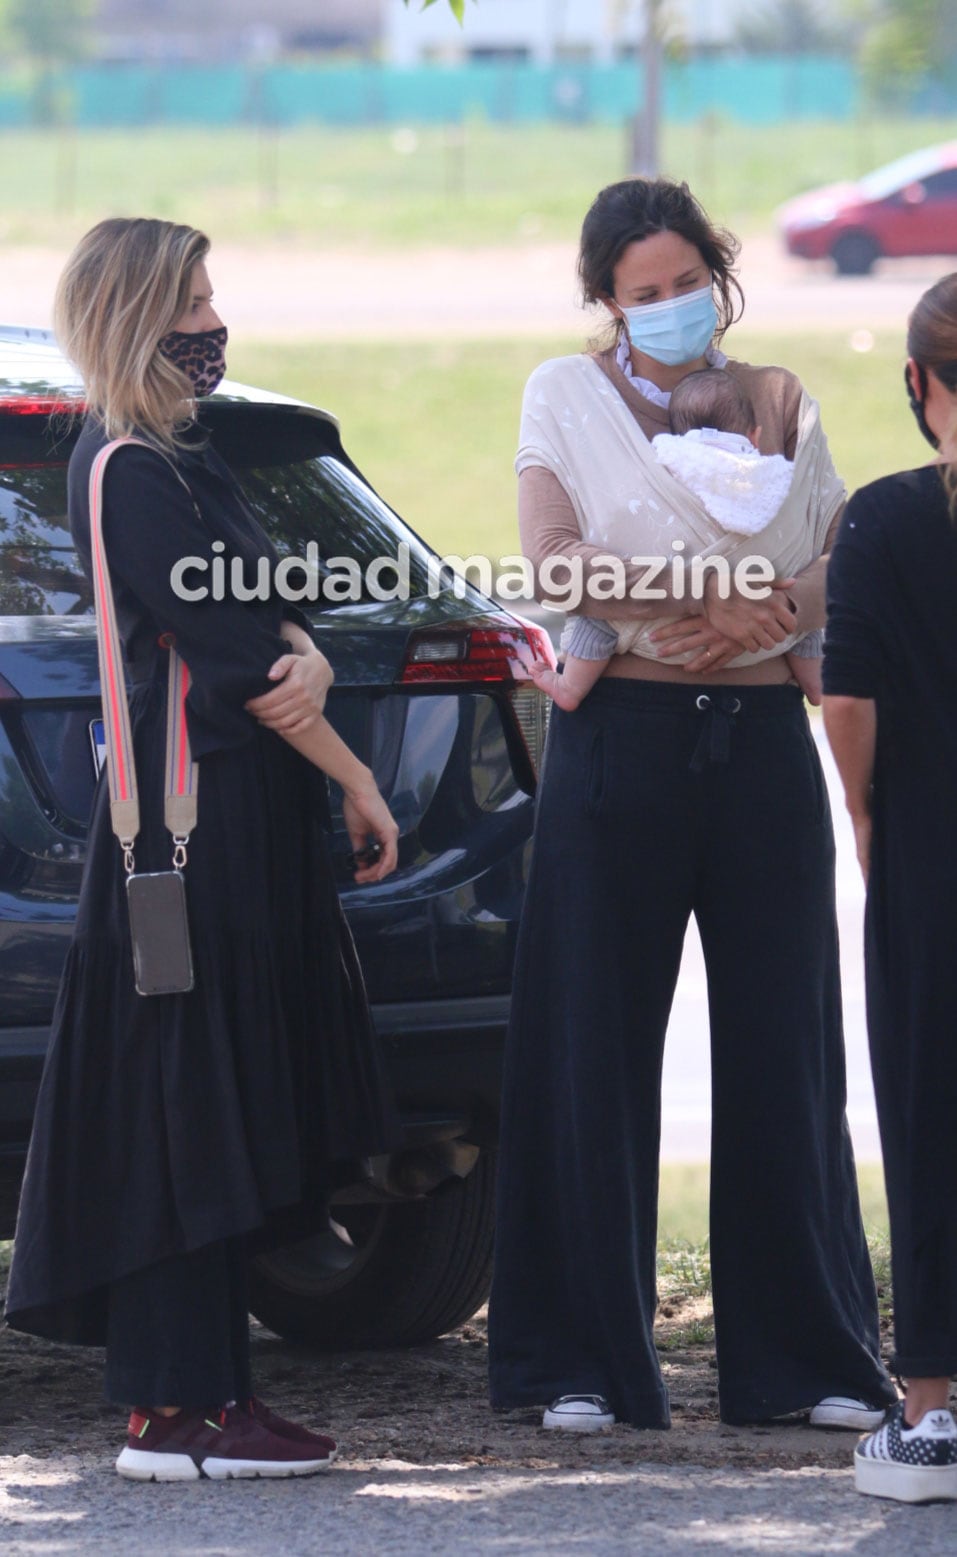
892	584
165	1123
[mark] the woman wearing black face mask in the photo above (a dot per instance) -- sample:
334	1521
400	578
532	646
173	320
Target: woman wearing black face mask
683	784
171	1127
890	706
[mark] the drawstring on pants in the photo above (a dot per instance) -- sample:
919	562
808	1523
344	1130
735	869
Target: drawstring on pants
714	742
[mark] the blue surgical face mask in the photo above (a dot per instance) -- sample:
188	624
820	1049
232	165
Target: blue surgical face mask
678	330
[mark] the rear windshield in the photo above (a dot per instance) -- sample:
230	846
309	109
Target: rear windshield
289	467
911	169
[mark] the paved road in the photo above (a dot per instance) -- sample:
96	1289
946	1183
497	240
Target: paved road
394	1509
295	294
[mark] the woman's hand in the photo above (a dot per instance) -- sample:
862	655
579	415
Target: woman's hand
851	725
365	812
863	833
298	702
754	624
712	649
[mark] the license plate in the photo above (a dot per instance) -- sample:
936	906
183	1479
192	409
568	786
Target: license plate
97	744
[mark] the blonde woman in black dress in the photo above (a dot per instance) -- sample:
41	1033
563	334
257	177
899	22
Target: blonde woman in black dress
170	1128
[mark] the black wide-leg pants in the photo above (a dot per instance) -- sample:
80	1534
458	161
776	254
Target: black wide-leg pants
178	1331
656	802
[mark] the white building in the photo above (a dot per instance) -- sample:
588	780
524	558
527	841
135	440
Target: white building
546	32
210	30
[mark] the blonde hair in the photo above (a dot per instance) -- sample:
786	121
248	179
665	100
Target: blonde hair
932	342
123	288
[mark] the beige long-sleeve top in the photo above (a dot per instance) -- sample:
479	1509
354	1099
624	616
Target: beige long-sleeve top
549	527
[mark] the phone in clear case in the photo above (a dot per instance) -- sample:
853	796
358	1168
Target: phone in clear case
159	930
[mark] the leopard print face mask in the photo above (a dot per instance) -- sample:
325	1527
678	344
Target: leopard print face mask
201	356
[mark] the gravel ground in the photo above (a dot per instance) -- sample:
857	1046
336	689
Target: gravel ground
427	1467
394	1507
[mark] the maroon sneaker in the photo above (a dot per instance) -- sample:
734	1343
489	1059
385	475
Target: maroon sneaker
274	1423
220	1445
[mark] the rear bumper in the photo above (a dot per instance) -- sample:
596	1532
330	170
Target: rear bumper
809	243
444	1058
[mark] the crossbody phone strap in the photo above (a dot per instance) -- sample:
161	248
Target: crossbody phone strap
182	773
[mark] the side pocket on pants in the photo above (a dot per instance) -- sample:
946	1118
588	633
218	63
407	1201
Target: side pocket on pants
595	785
816	777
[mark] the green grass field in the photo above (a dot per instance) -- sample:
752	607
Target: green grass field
684	1259
434	424
683	1247
683	1203
479	183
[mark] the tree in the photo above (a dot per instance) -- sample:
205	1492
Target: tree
47	30
661	37
457	7
791	27
50	34
906	42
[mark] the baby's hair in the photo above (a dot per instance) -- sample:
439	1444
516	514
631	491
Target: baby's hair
711	398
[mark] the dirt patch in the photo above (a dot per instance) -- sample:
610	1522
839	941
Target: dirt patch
427	1406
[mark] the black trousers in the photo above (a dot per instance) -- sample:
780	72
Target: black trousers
178	1331
910	943
656	802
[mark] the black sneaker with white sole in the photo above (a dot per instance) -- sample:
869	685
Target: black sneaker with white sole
845	1411
911	1464
579	1414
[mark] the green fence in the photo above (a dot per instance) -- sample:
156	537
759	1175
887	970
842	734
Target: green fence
754	91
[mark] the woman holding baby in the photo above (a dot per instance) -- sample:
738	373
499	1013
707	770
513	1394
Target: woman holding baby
685	781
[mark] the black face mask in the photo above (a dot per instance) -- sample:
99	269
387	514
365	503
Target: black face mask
917	406
201	356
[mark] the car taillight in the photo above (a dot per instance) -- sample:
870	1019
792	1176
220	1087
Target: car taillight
532	709
493	651
39	405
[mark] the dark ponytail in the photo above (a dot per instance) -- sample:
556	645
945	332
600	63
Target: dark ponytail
932	343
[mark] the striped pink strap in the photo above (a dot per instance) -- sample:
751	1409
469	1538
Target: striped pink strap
182	774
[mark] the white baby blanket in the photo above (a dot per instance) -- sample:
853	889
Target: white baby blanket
740	488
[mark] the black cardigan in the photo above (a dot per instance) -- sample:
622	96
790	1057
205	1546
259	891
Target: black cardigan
150	522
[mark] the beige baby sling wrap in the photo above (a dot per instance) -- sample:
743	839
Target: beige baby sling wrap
576	424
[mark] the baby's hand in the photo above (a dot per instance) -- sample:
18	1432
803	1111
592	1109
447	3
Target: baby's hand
554	686
807	674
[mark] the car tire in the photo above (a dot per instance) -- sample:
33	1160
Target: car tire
414	1270
854	254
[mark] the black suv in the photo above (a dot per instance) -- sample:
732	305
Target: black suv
425	694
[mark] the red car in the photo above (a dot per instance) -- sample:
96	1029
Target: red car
907	207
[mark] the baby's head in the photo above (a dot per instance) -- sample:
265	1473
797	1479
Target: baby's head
712	398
